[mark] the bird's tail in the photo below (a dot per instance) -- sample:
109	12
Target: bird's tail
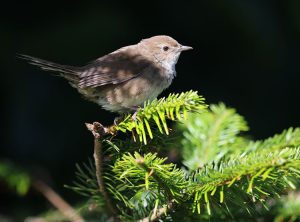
71	73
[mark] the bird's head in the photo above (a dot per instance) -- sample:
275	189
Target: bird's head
162	49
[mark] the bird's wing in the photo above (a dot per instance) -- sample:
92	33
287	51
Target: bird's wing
117	67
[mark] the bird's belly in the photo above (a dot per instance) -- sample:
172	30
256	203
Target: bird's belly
132	94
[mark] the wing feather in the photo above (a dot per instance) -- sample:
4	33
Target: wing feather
114	68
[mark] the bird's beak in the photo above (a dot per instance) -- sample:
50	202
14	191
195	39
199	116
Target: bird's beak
185	48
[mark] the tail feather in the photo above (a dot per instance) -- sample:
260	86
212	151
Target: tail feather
71	73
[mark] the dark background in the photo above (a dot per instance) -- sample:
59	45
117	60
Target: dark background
246	54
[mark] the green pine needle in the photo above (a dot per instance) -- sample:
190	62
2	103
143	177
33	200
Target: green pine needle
152	171
157	112
255	174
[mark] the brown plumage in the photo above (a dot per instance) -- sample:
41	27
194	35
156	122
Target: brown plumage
122	80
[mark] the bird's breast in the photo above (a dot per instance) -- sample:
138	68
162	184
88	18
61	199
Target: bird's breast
133	93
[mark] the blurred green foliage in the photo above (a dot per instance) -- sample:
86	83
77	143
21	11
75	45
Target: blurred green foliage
15	177
288	208
212	135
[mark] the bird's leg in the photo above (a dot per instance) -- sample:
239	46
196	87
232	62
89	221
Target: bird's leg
136	110
118	119
134	115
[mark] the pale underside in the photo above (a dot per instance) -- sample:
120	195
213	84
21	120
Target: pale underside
126	85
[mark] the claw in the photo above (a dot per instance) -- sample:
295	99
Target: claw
134	115
136	110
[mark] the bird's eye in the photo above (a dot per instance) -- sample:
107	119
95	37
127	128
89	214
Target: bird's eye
165	48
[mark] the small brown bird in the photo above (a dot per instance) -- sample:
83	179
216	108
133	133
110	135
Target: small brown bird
122	80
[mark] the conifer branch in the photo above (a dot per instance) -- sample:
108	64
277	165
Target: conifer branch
211	135
99	131
253	178
156	113
150	172
99	174
153	172
249	171
149	175
234	171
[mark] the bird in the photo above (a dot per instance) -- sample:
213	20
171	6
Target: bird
123	80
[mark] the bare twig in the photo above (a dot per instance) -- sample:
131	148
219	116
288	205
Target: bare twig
158	213
57	201
98	131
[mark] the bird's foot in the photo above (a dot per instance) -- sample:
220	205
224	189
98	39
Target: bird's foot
134	115
118	119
